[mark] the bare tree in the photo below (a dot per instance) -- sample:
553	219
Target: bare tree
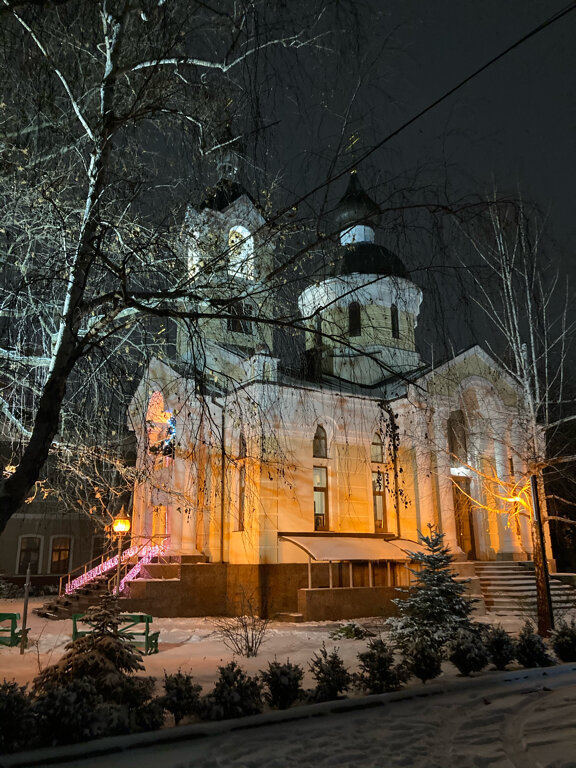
96	92
528	306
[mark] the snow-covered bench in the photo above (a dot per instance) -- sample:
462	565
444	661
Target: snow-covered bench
134	626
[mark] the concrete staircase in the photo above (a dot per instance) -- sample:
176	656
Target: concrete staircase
64	606
510	587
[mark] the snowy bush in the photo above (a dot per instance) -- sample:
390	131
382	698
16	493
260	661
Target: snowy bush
435	606
499	645
332	677
468	652
235	694
181	695
564	641
349	631
17	719
283	684
529	648
75	711
423	657
378	673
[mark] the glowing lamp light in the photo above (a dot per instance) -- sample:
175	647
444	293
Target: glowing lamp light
121	524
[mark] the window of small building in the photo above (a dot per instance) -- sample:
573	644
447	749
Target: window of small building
377	449
29	554
319	444
394	321
354	319
320	499
379	501
60	554
240	322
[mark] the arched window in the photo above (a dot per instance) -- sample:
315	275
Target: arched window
354	319
241	247
394	322
241	497
377	449
319	446
239	321
457	438
241	446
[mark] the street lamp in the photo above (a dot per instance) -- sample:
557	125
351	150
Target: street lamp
120	526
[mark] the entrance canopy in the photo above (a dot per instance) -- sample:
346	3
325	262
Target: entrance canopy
351	548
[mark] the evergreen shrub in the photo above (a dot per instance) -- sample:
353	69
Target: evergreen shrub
283	684
423	657
499	645
17	718
378	673
529	648
332	677
235	694
564	641
435	606
467	652
349	631
181	695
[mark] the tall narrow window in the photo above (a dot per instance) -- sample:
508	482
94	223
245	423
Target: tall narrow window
320	499
457	442
60	556
354	319
241	446
29	554
377	449
379	501
240	322
241	497
394	322
319	446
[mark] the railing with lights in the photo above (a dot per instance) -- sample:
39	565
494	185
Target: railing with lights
138	550
153	551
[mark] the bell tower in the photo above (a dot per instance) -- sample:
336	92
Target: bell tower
229	254
362	314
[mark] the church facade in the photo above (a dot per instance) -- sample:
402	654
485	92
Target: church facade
304	493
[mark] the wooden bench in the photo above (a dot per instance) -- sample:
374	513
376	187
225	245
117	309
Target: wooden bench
134	626
9	635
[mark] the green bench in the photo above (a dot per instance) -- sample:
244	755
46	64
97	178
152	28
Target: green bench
134	626
9	635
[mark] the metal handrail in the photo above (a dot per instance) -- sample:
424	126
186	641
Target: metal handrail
68	577
112	581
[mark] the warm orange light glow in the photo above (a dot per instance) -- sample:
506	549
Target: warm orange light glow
121	524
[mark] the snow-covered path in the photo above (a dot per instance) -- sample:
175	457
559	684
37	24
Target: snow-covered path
525	719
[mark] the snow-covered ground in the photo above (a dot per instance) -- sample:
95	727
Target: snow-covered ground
522	719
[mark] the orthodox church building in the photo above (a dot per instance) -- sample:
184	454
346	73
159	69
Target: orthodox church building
303	492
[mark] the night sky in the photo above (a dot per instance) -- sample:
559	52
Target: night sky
514	125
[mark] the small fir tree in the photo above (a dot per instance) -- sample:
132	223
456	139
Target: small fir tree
468	652
332	677
235	694
423	657
378	672
283	684
435	606
17	719
105	657
181	695
530	650
499	645
564	641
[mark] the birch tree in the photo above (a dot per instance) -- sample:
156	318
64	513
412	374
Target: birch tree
528	305
93	94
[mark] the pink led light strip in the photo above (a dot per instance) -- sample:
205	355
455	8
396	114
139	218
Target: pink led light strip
105	567
149	554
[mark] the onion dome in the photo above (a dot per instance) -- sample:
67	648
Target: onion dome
356	206
369	259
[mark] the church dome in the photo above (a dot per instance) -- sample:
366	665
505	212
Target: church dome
356	206
369	259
